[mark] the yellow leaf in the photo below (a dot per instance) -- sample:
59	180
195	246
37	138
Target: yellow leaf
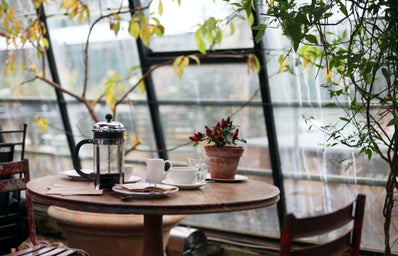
69	4
282	66
10	14
195	58
17	26
86	10
37	3
141	86
176	63
179	65
134	29
307	59
328	74
152	30
5	23
80	18
253	63
160	8
250	19
45	42
232	28
39	73
42	123
135	141
110	97
11	56
185	61
6	68
144	30
32	67
159	30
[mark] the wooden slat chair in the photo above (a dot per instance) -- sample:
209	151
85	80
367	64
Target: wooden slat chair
14	177
349	242
13	220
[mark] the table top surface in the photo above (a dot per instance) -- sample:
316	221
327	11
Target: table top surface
213	197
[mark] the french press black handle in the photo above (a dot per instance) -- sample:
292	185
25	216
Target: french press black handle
76	161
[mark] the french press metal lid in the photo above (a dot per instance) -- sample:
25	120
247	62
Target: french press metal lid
108	129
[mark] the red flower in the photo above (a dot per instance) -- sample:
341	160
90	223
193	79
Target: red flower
224	133
218	127
197	137
235	136
208	131
224	123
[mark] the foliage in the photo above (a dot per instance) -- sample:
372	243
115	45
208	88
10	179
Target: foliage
223	134
354	45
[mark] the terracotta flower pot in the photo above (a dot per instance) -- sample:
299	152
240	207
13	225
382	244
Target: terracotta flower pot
223	161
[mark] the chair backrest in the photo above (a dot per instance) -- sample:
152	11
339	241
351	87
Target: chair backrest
295	229
9	139
13	177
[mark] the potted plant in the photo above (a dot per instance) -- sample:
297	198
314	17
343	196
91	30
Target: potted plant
223	152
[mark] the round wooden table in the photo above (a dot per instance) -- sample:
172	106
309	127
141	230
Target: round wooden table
214	197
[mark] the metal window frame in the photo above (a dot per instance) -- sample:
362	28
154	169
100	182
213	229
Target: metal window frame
148	58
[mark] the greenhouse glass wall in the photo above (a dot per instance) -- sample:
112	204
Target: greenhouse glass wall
276	112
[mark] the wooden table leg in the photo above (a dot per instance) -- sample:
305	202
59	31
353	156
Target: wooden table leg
153	235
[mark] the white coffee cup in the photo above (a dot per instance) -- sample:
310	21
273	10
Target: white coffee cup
183	174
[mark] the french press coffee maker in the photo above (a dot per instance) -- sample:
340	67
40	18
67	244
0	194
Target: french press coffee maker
108	154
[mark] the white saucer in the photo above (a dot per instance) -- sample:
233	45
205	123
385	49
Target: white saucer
237	178
184	186
75	176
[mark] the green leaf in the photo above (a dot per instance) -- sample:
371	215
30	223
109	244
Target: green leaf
200	42
393	121
311	39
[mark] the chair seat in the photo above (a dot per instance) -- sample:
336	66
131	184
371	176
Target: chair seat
48	250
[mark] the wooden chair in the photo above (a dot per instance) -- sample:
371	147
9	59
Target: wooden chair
14	177
13	217
349	242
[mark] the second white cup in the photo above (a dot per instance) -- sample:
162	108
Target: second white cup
183	174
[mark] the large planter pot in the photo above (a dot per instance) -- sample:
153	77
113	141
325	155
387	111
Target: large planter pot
103	234
223	161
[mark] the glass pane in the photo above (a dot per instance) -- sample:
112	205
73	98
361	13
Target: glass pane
182	21
223	82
